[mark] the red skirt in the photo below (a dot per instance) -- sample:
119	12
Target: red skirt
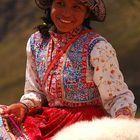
46	122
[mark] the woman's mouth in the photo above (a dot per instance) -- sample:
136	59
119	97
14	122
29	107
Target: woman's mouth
65	21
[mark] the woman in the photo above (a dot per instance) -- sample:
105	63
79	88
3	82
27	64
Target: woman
72	72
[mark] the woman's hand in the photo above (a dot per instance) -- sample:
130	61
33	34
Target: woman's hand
124	113
17	111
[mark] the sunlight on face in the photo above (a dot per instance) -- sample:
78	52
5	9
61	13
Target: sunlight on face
68	14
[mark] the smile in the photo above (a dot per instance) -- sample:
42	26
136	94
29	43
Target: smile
65	21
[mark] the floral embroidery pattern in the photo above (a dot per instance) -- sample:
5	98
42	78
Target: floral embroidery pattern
76	87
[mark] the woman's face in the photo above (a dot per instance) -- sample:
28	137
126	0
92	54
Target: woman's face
68	14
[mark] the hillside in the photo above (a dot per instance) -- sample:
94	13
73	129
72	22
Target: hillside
16	25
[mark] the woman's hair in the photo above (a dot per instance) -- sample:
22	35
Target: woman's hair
47	23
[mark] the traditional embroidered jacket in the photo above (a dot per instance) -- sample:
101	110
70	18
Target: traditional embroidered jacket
86	74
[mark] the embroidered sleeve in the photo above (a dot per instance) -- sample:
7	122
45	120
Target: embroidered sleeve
107	76
33	95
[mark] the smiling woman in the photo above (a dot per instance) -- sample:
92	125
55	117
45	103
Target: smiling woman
95	10
72	72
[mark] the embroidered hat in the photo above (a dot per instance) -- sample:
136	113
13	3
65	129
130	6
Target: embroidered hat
97	8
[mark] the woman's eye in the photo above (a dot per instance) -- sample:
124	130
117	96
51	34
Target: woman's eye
60	3
77	7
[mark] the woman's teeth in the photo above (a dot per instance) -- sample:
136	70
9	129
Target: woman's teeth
65	21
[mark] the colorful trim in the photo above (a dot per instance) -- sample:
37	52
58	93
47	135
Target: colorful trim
77	89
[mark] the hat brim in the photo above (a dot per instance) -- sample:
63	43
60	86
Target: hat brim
97	8
43	4
99	11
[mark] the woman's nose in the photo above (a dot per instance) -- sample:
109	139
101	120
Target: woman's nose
67	12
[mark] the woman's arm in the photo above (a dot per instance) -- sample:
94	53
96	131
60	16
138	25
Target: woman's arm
116	97
33	94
